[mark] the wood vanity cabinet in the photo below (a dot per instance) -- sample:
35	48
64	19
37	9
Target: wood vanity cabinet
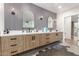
37	38
11	45
59	36
34	41
50	38
44	39
0	46
26	42
31	41
47	38
20	43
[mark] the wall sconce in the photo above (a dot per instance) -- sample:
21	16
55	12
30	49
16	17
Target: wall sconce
41	17
12	11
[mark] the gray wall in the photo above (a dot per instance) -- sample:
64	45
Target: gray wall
15	22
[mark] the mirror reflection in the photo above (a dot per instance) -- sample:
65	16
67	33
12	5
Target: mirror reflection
28	19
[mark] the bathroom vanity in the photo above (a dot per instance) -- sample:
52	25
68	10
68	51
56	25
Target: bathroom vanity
11	44
37	22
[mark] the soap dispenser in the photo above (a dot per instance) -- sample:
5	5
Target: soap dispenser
6	31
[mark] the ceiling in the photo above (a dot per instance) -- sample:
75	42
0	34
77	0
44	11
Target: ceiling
53	7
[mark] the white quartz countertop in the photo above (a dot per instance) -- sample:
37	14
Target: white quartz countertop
24	33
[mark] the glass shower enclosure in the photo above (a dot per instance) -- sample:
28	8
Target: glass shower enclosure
71	30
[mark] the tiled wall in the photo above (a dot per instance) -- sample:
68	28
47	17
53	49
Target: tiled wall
15	22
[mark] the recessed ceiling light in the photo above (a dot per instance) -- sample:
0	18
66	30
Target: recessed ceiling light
59	7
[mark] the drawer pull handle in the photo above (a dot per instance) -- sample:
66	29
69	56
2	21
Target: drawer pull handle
14	45
14	51
33	37
13	38
47	42
56	34
47	38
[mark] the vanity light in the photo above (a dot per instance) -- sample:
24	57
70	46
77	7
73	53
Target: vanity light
59	7
13	11
41	17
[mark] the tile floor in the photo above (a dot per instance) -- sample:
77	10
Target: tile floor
54	49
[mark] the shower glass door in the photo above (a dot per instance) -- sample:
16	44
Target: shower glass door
74	29
75	33
67	30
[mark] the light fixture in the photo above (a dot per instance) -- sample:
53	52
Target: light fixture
12	11
41	17
59	7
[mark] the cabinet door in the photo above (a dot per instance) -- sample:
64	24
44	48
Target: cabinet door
27	42
59	36
37	39
20	43
43	40
52	37
32	42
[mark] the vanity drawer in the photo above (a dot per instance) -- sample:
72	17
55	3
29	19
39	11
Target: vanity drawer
13	40
59	35
53	37
11	51
44	39
9	40
12	44
50	36
46	35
